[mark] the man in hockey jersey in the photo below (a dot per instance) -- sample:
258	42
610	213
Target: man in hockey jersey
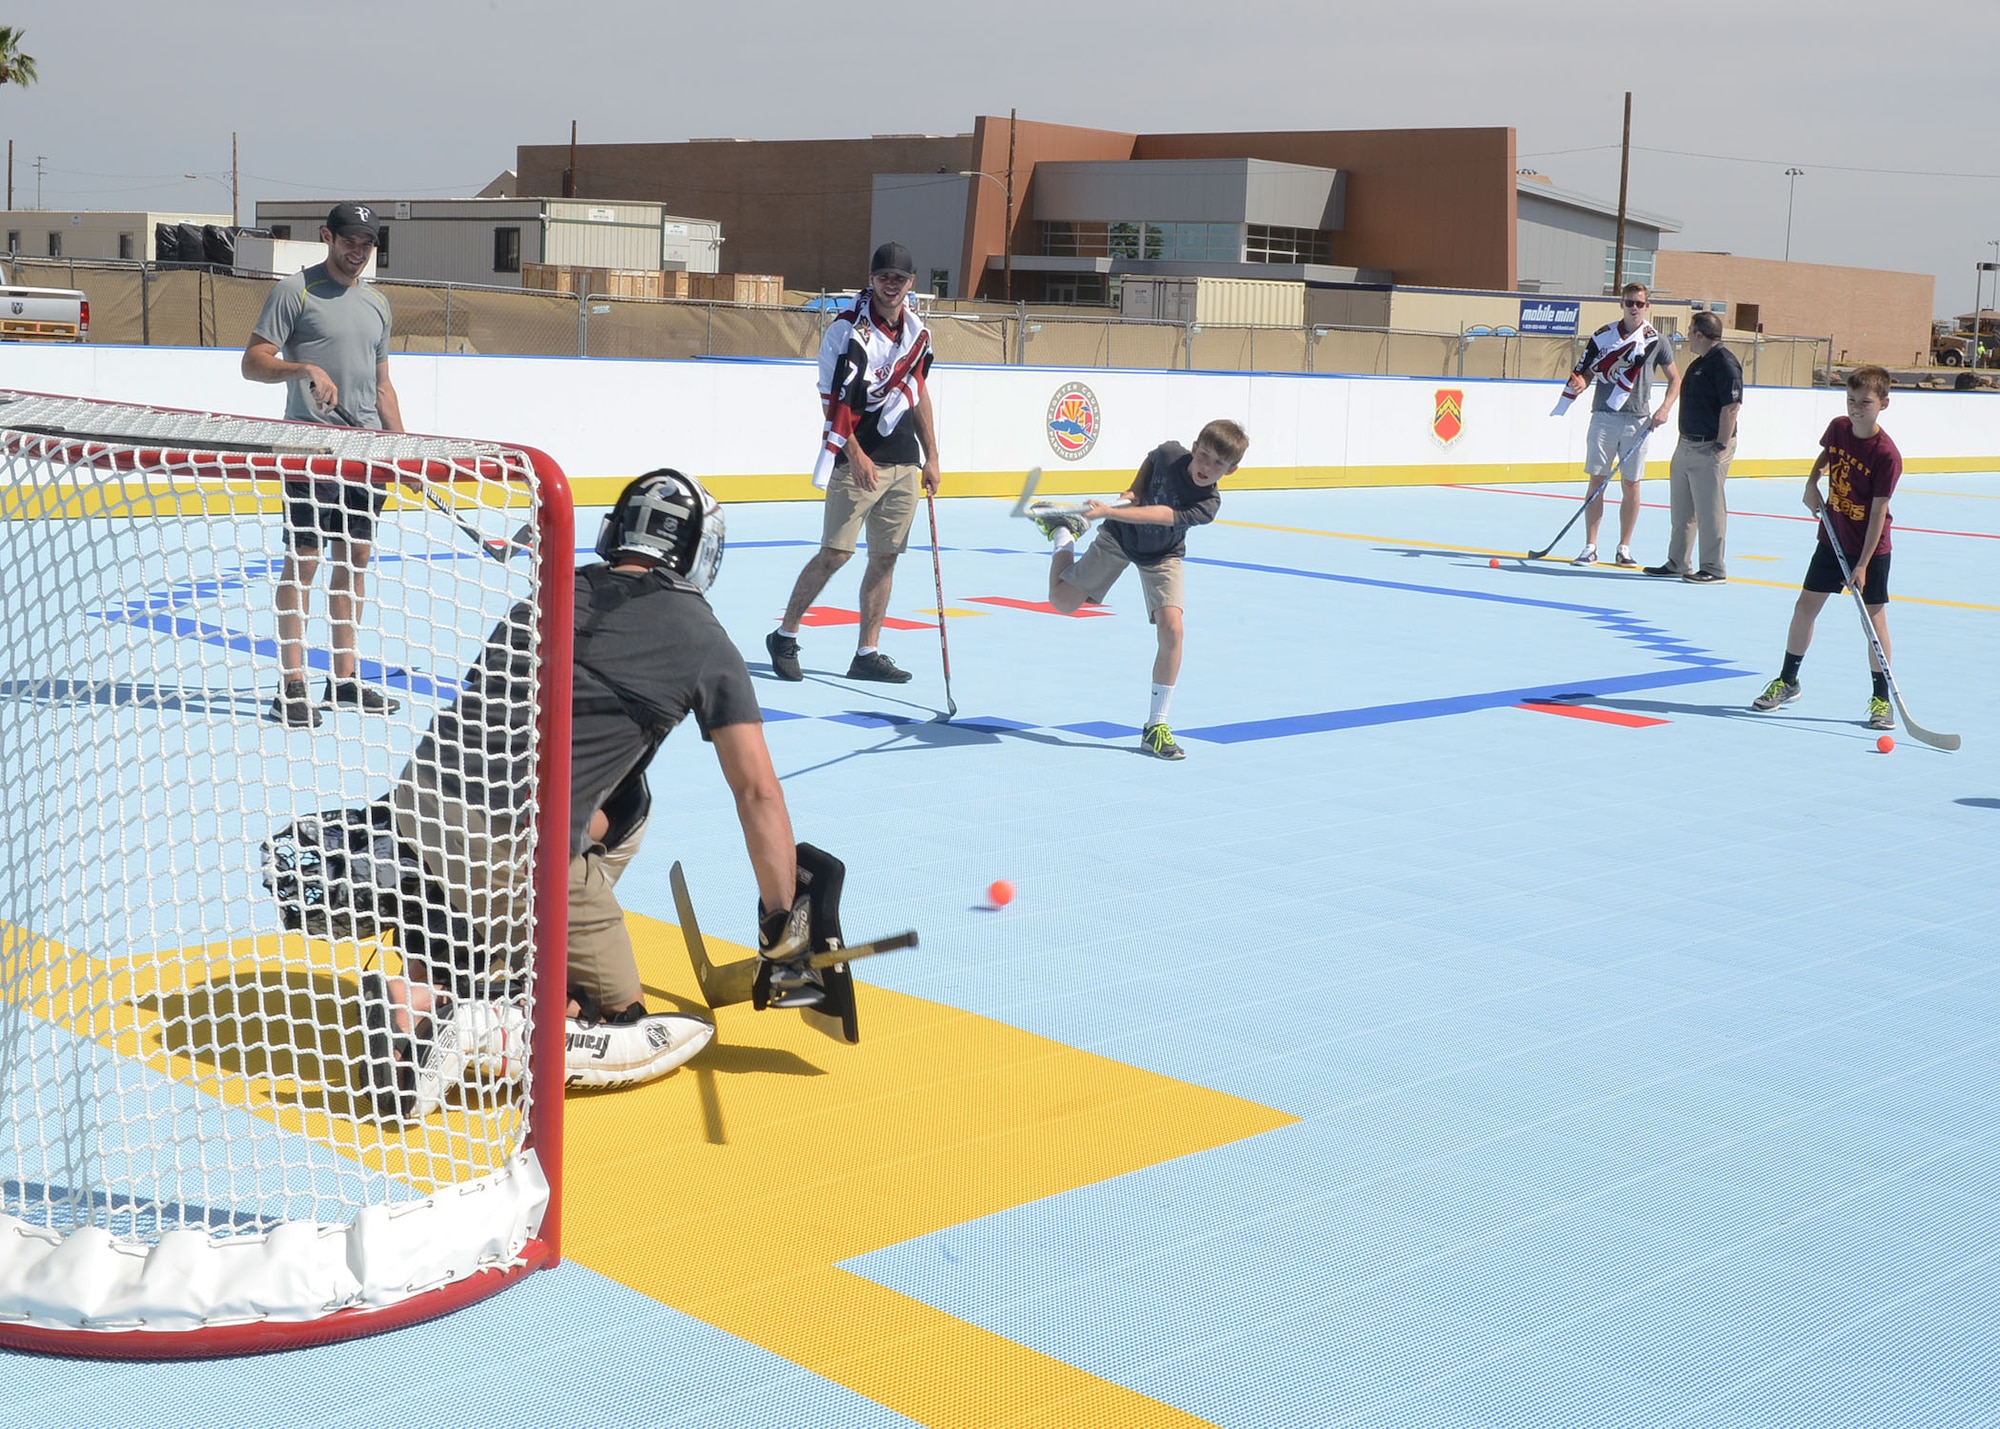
648	653
878	447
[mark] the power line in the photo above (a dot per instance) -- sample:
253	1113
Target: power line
1762	163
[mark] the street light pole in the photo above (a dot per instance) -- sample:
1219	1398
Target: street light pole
1792	177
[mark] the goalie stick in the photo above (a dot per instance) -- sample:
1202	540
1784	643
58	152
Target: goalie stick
493	547
1625	455
1916	731
725	984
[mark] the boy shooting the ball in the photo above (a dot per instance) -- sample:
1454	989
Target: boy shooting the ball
1147	527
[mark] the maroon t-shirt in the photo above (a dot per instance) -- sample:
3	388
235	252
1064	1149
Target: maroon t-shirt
1858	470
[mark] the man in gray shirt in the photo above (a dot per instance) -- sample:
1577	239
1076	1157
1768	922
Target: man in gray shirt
1618	364
326	334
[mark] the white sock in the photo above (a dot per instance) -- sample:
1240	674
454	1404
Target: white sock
1064	540
861	650
791	634
1163	695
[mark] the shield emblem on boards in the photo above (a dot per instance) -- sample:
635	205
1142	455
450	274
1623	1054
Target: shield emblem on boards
1448	417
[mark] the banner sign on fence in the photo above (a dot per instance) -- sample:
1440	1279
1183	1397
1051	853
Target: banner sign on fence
1541	317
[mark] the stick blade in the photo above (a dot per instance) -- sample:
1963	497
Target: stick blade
723	986
1027	492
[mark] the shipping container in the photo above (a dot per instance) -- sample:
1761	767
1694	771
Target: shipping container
1224	301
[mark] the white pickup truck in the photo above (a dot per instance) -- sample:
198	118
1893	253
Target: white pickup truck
42	314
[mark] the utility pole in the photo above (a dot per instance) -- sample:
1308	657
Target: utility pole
235	205
1624	171
10	175
1007	237
40	159
1792	176
569	177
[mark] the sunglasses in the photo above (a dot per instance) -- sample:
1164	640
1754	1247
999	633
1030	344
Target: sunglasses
1635	303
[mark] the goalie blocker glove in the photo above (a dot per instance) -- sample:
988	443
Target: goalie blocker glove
789	939
628	1047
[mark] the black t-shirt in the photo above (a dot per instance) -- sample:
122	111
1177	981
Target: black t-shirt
648	654
1166	483
1714	382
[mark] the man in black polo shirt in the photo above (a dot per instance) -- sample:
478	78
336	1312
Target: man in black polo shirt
1711	399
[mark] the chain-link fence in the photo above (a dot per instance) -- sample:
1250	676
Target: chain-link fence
144	303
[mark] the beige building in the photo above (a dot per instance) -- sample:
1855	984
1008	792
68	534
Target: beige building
49	233
1870	314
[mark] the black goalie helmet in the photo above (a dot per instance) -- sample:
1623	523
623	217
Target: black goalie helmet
668	516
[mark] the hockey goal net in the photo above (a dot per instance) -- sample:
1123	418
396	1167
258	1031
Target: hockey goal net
280	986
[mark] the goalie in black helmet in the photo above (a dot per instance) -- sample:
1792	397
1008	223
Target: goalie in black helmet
648	653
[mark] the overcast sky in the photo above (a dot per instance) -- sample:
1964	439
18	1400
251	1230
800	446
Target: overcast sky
1890	109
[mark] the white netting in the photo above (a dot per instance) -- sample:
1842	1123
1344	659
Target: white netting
225	931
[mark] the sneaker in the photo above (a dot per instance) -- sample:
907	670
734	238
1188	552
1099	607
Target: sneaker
1880	715
366	698
1660	570
877	666
1158	741
784	651
1624	558
1052	522
1779	692
293	708
1586	557
1704	578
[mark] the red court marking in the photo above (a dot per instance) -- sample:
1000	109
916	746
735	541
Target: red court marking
1041	607
834	615
1740	515
1630	721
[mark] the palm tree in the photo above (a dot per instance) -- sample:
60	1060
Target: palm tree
15	67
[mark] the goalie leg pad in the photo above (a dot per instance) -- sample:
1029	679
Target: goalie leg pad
623	1054
406	1068
492	1039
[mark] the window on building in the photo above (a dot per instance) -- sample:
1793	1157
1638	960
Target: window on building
506	250
126	248
381	246
1638	266
55	245
940	282
281	230
13	240
1139	238
1274	243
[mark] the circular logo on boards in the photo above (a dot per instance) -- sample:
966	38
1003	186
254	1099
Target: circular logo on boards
1074	421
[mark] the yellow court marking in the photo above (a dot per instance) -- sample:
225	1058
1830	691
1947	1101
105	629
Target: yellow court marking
950	610
733	1189
1563	560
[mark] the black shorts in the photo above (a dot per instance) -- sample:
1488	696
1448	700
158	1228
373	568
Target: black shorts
1823	575
336	510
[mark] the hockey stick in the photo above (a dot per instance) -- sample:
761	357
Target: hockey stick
723	985
493	547
1916	731
1027	493
1624	456
944	645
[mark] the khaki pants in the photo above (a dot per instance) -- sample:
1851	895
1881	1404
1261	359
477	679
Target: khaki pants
600	950
1698	472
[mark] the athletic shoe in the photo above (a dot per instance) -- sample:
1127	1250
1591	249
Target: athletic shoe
784	656
365	698
1053	522
1158	741
1704	578
1624	558
1661	570
877	666
293	708
1586	557
1880	715
1780	691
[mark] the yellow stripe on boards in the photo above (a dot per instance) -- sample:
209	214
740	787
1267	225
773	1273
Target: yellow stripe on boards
734	1189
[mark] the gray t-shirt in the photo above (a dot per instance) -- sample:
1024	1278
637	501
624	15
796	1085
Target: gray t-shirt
312	318
1640	403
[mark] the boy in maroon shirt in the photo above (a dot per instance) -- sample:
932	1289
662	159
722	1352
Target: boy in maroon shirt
1862	467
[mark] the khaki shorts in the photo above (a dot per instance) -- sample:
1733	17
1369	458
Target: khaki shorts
600	950
1099	568
1609	434
888	511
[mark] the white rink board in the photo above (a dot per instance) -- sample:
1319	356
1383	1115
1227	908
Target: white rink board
752	427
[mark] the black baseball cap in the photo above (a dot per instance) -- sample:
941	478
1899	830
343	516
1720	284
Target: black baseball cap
893	258
349	219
